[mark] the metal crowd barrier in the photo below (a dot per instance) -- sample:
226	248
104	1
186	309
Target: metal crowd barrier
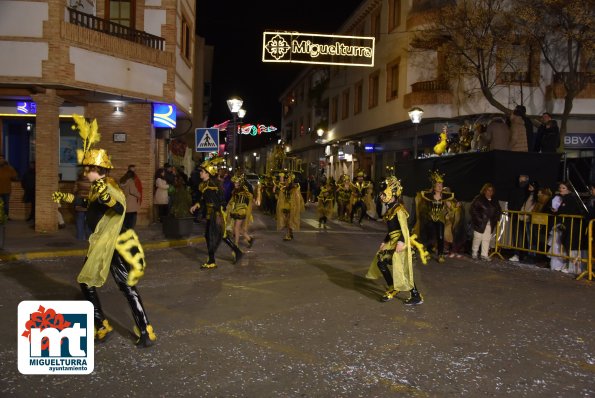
537	233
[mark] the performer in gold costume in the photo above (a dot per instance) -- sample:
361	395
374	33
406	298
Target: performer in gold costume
343	198
394	259
290	204
326	204
239	209
112	249
211	202
361	196
433	206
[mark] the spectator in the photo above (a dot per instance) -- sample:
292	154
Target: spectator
485	212
522	111
498	134
571	232
81	192
7	175
137	183
591	203
28	184
518	133
516	199
132	199
547	139
161	199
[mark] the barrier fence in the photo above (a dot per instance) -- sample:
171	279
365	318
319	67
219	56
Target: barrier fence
563	237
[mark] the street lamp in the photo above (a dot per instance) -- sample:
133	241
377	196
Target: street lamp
234	104
415	114
319	133
241	114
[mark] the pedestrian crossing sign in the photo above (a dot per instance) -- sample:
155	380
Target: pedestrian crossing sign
206	140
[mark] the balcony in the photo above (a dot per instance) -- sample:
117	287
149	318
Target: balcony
113	29
428	93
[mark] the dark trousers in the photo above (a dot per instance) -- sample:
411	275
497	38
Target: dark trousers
357	205
119	270
438	229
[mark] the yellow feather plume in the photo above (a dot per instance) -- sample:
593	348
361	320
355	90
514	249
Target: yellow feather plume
87	131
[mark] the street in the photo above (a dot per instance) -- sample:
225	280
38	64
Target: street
299	319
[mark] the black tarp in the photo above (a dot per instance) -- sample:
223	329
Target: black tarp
466	173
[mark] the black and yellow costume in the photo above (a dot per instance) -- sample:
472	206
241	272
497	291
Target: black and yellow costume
112	249
211	201
239	207
290	204
433	207
360	197
396	266
343	194
326	205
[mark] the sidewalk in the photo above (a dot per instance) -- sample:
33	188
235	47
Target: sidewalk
21	242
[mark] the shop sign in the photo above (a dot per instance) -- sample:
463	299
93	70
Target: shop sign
26	108
579	141
310	48
164	115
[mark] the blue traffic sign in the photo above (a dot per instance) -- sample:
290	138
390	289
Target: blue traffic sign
206	140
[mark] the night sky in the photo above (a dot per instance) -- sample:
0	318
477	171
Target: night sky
235	30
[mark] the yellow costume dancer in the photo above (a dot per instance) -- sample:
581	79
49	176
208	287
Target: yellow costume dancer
290	205
326	204
239	209
394	259
343	198
112	249
361	196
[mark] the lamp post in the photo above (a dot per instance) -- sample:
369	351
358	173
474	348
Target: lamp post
241	114
415	114
234	104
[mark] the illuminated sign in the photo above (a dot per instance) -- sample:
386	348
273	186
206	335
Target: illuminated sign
27	108
310	48
164	115
579	141
256	130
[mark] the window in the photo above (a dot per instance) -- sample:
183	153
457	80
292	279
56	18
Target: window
518	65
186	45
121	12
392	80
394	14
375	23
373	83
345	104
357	97
334	109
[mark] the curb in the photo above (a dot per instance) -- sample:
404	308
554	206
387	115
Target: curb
155	245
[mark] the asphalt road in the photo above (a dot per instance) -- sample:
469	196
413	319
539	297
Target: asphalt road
298	319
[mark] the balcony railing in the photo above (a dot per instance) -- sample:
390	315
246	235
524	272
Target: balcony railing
430	85
113	29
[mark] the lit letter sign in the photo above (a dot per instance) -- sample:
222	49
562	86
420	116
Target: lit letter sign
309	48
27	108
164	115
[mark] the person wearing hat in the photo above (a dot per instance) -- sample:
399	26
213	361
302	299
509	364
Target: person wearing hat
290	204
394	258
240	209
433	206
211	201
359	190
326	204
111	248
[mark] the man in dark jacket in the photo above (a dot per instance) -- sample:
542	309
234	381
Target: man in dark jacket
547	138
516	198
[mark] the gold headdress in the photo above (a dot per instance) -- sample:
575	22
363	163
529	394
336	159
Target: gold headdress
391	187
90	135
361	174
436	177
239	177
211	165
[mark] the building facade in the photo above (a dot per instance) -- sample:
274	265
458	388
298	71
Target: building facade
110	60
365	118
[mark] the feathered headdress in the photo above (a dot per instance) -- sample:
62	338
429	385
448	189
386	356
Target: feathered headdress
436	176
90	136
211	165
391	187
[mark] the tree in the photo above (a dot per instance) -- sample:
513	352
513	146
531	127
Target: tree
476	36
563	31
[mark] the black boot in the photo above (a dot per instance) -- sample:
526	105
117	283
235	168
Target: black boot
102	326
237	253
415	298
383	267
